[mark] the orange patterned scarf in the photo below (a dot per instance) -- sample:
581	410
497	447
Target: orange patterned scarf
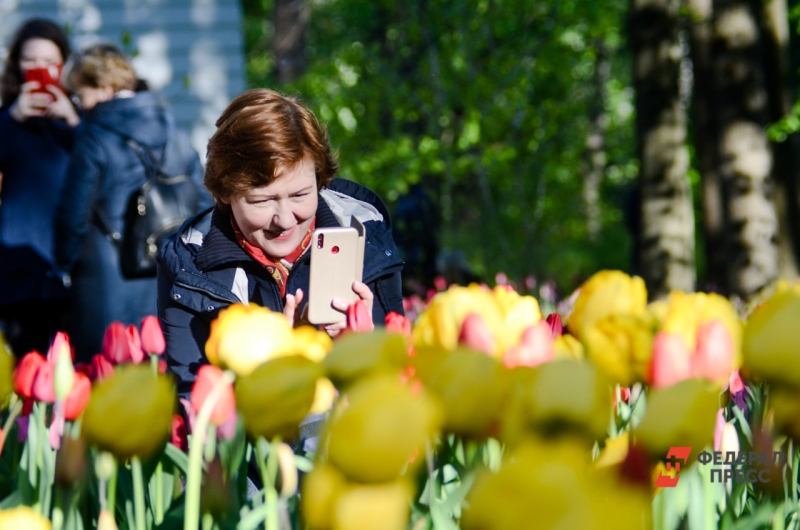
279	269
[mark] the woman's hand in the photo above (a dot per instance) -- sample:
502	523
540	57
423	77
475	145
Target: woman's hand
290	309
29	104
364	293
62	107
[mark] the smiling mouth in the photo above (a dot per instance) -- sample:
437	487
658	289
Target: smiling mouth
281	235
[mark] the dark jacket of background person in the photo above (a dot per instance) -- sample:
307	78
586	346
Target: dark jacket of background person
104	172
197	275
34	156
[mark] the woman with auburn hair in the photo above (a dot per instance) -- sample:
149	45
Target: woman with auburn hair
271	172
122	129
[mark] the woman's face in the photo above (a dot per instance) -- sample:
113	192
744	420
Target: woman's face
276	217
87	97
39	53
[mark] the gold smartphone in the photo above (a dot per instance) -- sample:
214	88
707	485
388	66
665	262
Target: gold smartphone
337	260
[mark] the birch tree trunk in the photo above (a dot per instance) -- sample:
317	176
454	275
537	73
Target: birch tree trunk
775	38
595	163
751	225
667	233
706	142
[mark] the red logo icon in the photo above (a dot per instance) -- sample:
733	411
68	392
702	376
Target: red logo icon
676	457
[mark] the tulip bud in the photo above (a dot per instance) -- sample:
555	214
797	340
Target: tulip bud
43	388
359	318
64	372
536	346
106	521
135	344
23	517
25	373
207	378
671	362
152	336
104	465
115	343
397	323
100	368
179	437
713	358
288	470
78	397
556	326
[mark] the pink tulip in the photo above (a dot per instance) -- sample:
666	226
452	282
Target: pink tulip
135	344
60	345
713	358
152	336
397	323
116	348
43	384
207	378
100	368
476	335
536	346
359	318
671	362
719	426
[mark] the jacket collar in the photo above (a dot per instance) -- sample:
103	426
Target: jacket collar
220	245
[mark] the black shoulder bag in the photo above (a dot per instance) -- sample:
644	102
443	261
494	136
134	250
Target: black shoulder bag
154	211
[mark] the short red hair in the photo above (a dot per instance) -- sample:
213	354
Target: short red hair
259	132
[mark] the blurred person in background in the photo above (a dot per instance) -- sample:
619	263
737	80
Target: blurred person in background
37	132
104	172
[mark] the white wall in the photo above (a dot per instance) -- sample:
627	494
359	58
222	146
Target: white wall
189	50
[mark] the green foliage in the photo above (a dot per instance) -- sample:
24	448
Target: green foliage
486	103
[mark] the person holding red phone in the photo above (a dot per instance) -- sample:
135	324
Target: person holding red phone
37	130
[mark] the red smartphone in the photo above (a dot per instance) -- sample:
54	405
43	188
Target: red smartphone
44	75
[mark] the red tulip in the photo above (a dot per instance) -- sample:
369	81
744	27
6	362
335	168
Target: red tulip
556	326
84	368
78	396
179	437
44	389
397	323
60	345
440	283
713	358
476	335
135	344
152	336
25	372
536	346
162	366
671	360
27	407
207	377
100	368
359	318
116	347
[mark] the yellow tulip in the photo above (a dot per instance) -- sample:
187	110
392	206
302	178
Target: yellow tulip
785	405
321	489
771	337
621	346
568	347
6	369
373	507
358	354
683	414
329	501
440	325
130	413
382	427
557	396
312	343
23	517
518	312
243	337
551	486
607	293
472	388
324	396
277	395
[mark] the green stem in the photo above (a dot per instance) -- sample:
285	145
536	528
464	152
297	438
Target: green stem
112	491
16	407
194	474
58	512
154	363
269	472
159	504
138	493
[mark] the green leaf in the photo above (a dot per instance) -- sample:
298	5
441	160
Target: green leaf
177	457
743	425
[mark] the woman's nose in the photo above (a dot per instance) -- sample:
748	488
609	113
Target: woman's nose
284	216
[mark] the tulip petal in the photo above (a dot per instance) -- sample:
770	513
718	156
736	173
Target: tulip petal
152	337
671	362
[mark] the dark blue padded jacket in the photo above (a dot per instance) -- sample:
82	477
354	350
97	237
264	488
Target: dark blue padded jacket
202	269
